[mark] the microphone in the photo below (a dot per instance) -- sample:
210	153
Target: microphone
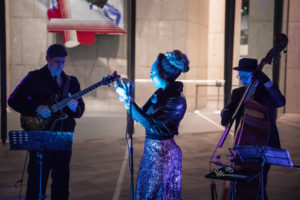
130	128
130	85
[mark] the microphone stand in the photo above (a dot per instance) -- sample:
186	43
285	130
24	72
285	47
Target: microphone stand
130	132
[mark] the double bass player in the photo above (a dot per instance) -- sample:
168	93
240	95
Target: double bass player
264	92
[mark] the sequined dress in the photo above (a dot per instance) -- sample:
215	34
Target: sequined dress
159	176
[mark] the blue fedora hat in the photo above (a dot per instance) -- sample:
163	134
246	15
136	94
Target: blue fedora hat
247	64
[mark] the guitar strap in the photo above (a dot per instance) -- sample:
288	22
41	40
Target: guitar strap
66	88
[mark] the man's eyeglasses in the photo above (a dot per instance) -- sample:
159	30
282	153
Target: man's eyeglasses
243	77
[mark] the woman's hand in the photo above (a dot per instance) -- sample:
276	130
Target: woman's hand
122	91
122	94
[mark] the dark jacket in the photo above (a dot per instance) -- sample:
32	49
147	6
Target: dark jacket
36	89
271	98
162	113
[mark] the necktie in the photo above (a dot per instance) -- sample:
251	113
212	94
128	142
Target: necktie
56	80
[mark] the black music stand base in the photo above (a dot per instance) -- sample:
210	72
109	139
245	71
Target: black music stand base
213	192
39	156
262	181
233	190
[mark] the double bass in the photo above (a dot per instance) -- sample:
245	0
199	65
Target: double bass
253	130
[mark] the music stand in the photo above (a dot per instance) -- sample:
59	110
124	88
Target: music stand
228	173
263	155
40	141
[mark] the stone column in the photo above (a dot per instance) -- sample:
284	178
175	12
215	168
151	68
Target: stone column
165	25
293	59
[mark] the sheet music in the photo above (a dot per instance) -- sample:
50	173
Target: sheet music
269	155
41	140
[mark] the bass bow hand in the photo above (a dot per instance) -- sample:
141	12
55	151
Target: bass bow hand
225	115
261	77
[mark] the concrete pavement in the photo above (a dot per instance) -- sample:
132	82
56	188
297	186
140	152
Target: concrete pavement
99	166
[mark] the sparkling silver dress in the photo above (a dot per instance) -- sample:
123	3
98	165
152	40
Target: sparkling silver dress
159	176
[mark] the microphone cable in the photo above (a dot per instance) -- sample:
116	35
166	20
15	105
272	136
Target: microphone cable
21	180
